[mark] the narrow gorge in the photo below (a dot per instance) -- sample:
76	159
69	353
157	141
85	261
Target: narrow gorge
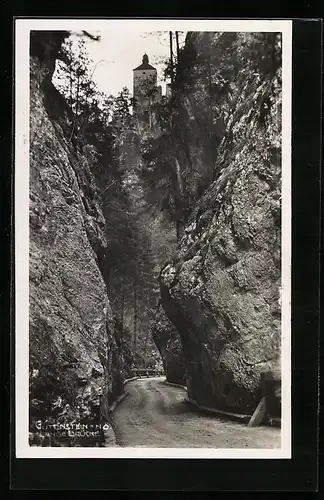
155	239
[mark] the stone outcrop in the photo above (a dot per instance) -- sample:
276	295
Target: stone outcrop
168	341
222	290
75	363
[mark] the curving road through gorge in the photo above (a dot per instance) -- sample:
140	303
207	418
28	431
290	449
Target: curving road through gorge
155	414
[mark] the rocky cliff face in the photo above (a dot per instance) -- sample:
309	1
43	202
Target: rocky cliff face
222	290
167	339
75	364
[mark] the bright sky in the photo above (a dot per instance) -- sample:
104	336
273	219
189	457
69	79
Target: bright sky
120	50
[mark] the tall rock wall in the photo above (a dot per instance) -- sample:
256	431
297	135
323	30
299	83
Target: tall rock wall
167	339
74	360
222	290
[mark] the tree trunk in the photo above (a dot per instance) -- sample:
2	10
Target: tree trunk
209	73
135	319
122	305
71	89
145	344
76	107
179	178
171	59
77	97
148	309
150	114
177	44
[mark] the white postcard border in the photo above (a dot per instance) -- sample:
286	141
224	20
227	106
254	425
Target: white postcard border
21	80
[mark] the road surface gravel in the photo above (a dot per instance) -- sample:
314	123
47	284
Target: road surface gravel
155	414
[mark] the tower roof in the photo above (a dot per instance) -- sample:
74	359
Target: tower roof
145	64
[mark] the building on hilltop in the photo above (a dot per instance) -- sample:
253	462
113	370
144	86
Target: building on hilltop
146	92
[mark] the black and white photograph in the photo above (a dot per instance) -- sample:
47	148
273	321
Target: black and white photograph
153	231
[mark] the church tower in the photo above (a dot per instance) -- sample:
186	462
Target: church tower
145	90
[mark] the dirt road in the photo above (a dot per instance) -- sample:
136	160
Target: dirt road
155	414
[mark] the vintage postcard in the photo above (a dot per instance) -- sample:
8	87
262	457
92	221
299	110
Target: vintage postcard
153	238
